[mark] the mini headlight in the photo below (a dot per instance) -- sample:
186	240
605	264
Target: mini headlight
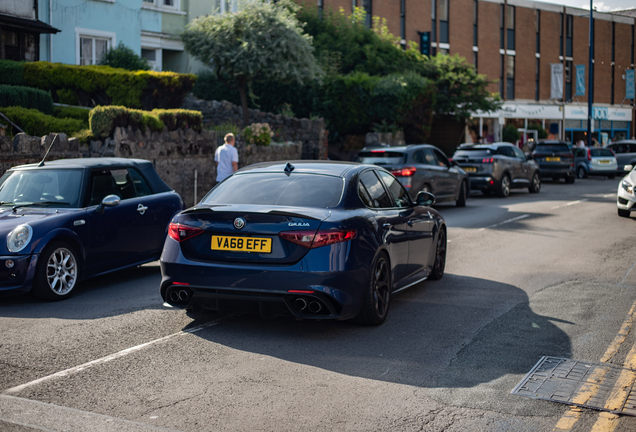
19	238
627	186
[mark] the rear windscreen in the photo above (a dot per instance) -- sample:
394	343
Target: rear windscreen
552	148
472	153
602	152
380	157
279	189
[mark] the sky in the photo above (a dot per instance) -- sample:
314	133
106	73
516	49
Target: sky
604	6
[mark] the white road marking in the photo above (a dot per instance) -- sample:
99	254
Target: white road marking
571	203
107	358
506	221
612	195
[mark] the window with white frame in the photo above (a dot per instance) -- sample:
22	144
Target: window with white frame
225	6
164	4
91	45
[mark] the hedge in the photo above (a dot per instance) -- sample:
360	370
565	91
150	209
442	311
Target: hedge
72	112
104	85
36	123
26	97
104	119
11	72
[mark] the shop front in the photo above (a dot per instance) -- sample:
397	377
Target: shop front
568	123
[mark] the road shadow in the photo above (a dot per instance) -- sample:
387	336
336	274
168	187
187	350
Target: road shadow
457	333
113	294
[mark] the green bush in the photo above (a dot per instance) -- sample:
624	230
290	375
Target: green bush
180	119
36	123
85	136
100	85
543	134
125	58
26	97
72	112
510	134
11	72
104	119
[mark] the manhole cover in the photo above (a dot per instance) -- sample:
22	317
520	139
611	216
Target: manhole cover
597	386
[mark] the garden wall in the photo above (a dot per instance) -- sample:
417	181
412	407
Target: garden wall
176	155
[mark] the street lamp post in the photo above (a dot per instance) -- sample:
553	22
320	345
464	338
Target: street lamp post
590	80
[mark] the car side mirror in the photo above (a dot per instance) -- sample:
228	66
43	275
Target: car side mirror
108	201
425	199
628	167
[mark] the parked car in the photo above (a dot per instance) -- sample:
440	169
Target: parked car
69	220
421	167
626	196
625	152
555	159
498	167
315	240
594	161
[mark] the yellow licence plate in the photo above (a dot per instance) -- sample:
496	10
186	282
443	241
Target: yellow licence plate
603	161
470	169
553	159
242	244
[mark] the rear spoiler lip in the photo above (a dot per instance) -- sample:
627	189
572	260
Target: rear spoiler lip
297	212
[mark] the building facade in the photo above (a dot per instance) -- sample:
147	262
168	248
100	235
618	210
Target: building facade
150	27
20	30
538	54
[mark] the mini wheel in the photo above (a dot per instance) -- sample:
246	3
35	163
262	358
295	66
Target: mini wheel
57	272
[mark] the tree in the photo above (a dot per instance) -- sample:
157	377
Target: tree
124	57
263	41
460	89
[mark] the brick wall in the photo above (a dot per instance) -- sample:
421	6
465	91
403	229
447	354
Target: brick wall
489	61
622	60
460	28
525	49
418	19
549	40
602	61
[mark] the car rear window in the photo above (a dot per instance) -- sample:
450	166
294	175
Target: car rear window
602	152
472	153
552	148
381	157
279	189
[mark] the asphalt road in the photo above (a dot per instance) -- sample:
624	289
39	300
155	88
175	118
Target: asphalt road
531	275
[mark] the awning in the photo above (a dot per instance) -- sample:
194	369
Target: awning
25	24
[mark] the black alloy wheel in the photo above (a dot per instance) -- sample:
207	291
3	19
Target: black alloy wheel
377	296
57	272
504	186
581	173
535	185
440	256
461	201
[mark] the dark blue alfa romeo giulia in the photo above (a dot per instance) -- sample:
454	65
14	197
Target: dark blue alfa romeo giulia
72	219
315	240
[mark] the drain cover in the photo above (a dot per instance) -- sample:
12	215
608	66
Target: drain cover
597	386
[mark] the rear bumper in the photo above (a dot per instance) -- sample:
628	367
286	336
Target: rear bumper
548	171
304	290
482	182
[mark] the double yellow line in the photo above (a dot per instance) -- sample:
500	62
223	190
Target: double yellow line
606	422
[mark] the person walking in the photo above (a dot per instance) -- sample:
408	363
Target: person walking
226	158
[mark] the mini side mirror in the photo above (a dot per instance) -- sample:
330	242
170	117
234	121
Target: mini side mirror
628	167
108	201
425	199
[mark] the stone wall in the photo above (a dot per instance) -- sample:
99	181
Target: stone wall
176	155
310	133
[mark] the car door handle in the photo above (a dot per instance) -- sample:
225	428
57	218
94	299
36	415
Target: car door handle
142	209
386	225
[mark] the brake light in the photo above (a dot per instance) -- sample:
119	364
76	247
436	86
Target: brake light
377	151
589	154
182	232
488	160
316	239
404	172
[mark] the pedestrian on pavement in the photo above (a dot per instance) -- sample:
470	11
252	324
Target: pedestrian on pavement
226	158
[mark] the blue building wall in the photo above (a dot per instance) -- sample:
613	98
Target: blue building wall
121	20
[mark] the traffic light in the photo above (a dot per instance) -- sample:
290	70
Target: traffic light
425	43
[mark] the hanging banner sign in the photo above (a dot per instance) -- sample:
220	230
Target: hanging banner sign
580	80
629	84
556	83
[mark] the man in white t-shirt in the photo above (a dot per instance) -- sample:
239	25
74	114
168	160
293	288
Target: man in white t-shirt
226	158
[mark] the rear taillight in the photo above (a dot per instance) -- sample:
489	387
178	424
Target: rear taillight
488	160
182	232
316	239
404	172
589	154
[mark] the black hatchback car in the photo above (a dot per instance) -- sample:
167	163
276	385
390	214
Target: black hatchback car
556	160
497	168
421	167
